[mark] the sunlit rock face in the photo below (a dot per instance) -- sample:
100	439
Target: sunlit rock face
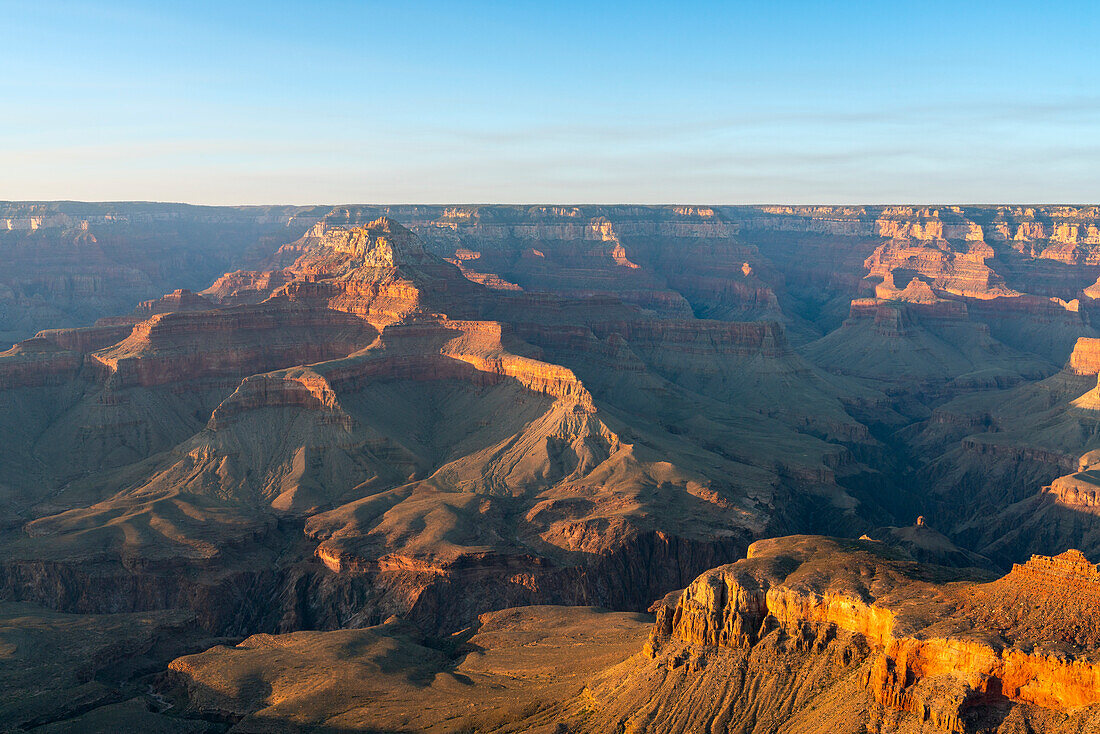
1080	490
856	632
1085	358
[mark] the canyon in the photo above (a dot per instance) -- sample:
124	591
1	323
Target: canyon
550	468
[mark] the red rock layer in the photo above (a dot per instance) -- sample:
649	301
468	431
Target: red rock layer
88	339
246	340
180	299
951	269
246	286
887	311
1033	308
1085	359
464	351
1070	570
1076	492
37	362
734	606
1081	489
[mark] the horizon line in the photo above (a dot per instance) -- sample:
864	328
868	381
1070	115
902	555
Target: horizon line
558	204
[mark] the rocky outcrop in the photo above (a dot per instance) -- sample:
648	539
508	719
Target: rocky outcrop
960	271
923	648
461	351
890	315
183	345
466	260
298	388
180	299
37	362
246	286
1069	573
1085	358
88	339
807	635
380	272
928	345
1080	490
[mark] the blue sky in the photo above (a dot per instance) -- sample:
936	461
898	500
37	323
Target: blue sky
736	102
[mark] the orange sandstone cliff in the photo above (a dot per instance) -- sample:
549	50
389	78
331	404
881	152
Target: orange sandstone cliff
808	632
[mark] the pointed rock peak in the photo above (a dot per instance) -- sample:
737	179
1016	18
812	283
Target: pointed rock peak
915	291
1073	556
887	289
918	292
385	242
1069	565
385	225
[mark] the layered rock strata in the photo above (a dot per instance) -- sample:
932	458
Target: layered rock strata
881	630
